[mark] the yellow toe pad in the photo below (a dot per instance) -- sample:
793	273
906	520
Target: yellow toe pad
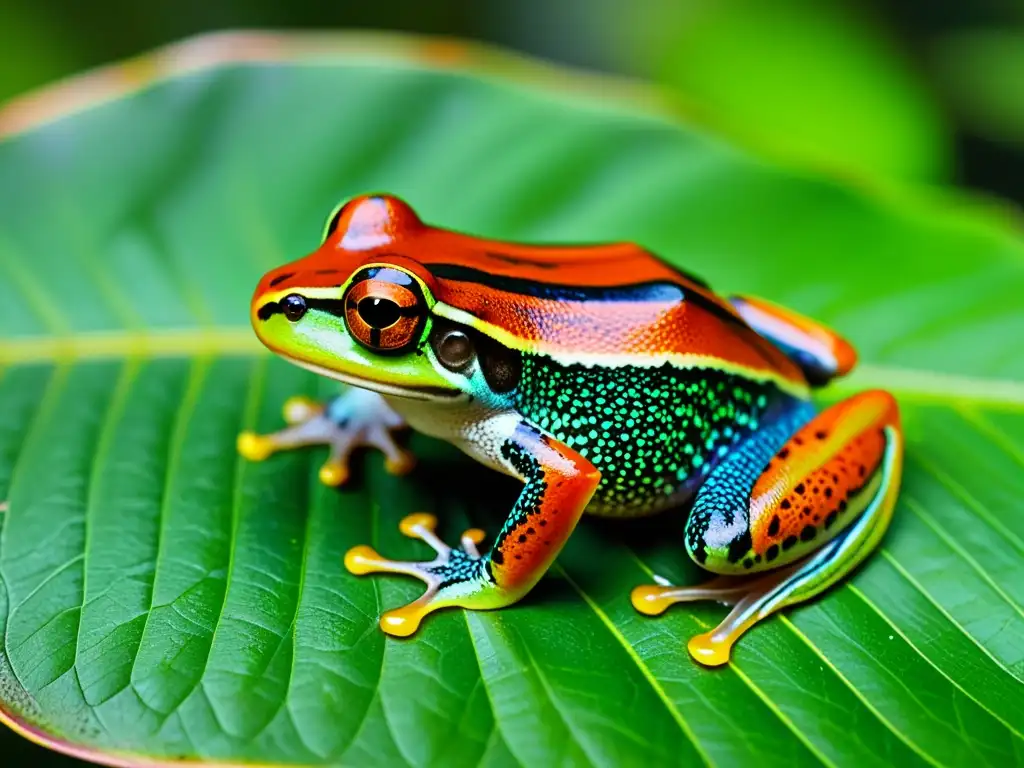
253	447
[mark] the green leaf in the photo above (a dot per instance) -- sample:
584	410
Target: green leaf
163	597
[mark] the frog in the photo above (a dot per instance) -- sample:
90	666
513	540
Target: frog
607	381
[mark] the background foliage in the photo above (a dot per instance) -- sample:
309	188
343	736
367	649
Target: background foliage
876	86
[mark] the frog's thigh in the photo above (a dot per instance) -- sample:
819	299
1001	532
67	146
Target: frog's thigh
827	496
820	352
748	518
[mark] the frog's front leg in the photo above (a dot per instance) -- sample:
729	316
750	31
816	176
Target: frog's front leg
826	496
351	420
558	484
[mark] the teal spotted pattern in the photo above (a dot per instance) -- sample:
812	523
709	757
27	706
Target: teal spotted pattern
654	433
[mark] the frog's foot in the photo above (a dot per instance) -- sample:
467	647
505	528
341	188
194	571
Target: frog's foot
749	598
357	418
456	577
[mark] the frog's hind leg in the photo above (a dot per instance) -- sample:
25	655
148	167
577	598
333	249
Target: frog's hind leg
813	513
821	353
349	421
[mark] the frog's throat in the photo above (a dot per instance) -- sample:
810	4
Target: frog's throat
383	387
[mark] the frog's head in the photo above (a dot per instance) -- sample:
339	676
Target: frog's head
361	309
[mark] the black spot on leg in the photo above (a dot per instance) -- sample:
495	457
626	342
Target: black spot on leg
800	488
739	546
773	528
808	533
831	518
785	504
772	552
789	543
748	563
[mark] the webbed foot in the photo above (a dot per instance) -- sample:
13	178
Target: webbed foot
456	577
357	418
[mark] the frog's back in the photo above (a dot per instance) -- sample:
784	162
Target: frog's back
615	304
592	304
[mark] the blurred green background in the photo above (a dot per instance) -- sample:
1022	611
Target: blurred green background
920	91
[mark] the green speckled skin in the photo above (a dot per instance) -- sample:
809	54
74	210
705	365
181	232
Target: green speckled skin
655	434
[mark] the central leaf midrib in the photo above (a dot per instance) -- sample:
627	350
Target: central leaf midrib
240	341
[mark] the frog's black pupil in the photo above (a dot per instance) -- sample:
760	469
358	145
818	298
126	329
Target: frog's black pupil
379	313
293	306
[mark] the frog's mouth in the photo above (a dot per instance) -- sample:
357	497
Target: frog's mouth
383	387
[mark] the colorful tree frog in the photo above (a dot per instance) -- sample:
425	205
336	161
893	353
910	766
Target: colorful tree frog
604	379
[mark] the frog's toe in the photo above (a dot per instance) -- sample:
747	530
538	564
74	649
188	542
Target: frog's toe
254	447
334	472
315	429
712	648
300	408
397	460
455	577
655	599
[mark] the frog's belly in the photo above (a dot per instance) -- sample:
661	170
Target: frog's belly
612	501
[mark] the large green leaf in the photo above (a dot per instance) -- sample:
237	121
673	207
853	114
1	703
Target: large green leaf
163	597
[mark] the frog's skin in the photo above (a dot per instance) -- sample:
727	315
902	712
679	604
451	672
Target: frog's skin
604	379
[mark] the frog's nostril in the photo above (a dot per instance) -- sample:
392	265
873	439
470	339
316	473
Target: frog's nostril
379	313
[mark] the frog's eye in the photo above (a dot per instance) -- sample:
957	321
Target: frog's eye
384	309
